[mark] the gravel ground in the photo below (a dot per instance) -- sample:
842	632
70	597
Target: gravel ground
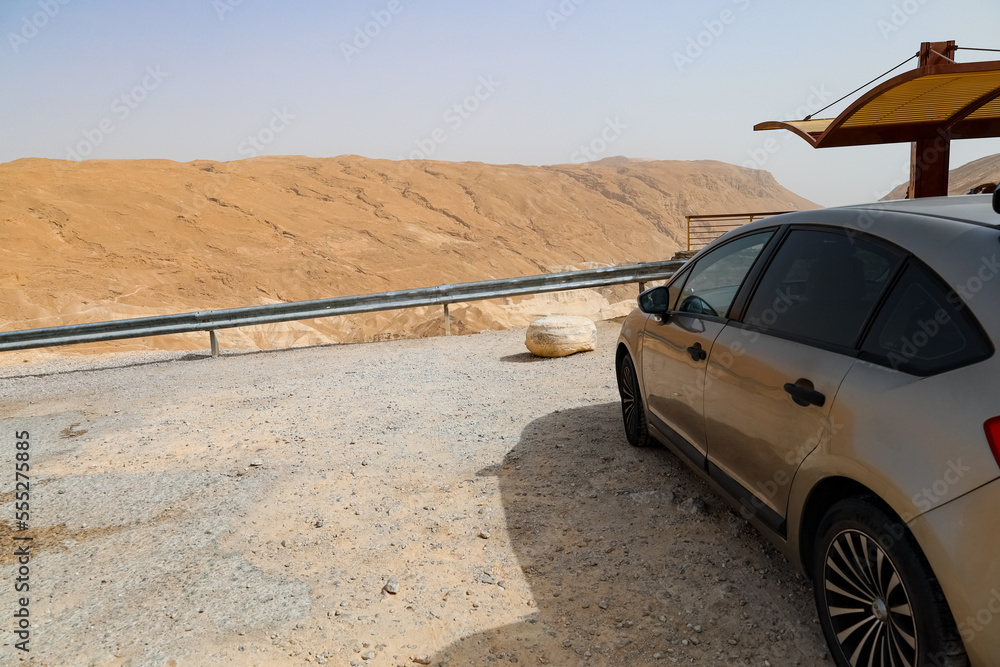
438	501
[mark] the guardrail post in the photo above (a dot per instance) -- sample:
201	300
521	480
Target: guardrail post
642	287
214	340
447	321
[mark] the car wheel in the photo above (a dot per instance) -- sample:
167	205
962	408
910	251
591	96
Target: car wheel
633	416
878	600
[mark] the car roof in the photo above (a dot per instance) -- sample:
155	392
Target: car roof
974	209
923	226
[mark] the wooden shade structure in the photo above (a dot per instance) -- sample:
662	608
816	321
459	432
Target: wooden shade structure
929	106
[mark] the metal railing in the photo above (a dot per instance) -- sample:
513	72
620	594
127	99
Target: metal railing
703	229
444	295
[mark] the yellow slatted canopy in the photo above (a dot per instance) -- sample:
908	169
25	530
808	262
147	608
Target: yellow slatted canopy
952	101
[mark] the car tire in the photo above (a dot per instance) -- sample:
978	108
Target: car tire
633	414
878	600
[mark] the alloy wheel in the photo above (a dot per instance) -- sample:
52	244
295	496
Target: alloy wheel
869	606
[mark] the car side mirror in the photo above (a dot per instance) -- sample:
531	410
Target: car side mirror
655	301
996	199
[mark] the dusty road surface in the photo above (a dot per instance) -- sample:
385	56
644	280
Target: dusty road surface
441	501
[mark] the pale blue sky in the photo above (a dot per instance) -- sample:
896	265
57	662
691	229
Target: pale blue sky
226	79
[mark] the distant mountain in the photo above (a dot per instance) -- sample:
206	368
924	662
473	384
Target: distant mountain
961	180
96	240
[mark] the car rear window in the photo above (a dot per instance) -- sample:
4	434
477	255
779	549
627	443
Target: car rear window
924	328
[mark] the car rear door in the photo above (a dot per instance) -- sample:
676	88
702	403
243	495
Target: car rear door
773	376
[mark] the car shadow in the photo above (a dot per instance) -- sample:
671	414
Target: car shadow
626	551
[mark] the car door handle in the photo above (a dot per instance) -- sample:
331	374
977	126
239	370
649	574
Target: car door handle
697	353
805	396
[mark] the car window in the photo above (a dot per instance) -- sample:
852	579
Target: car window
921	330
714	280
674	290
822	286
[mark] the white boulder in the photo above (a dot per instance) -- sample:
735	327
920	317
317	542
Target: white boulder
561	336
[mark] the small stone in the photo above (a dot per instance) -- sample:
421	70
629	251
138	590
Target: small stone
256	463
319	523
391	586
368	655
422	660
485	534
603	604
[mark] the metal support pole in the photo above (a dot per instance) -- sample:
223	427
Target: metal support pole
930	155
642	287
214	340
929	165
447	321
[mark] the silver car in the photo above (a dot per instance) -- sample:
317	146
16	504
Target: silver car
832	373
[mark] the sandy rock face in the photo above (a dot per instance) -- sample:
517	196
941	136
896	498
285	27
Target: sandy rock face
561	336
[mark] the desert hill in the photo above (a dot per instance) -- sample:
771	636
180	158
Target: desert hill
98	240
964	178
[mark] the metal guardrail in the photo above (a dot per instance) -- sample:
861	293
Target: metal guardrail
444	295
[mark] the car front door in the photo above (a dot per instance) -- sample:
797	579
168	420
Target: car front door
676	346
773	376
